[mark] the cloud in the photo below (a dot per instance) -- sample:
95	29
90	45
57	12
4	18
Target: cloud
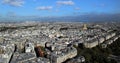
0	15
77	8
97	17
35	0
102	5
44	8
56	10
65	2
11	14
88	17
17	3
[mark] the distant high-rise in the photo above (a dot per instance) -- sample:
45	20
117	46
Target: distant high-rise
1	51
84	27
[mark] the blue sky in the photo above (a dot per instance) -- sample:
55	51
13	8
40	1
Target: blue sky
57	7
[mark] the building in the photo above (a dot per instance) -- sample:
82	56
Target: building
84	27
68	53
29	48
38	60
79	59
107	36
7	53
101	39
21	58
91	43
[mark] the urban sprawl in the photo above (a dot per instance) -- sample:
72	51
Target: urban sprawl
35	42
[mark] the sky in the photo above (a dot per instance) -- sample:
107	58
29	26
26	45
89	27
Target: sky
57	8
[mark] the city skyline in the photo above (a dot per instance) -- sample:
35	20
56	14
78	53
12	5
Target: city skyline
58	8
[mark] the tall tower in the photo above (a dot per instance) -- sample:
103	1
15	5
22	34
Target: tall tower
84	27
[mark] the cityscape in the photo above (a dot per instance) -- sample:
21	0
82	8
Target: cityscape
59	31
54	42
